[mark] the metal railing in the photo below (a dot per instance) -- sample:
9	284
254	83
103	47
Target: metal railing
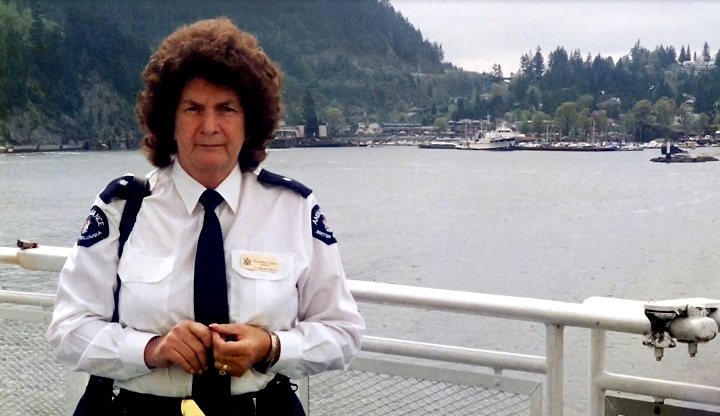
379	354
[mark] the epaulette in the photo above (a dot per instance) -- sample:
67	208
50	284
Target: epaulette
274	179
126	187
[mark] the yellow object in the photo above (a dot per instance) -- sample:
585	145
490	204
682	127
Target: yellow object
188	407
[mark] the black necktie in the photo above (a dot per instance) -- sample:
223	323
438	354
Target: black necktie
211	390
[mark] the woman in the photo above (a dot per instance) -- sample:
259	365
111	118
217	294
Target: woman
281	309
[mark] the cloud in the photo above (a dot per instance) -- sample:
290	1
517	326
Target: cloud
476	34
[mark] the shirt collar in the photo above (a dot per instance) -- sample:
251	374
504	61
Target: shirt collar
190	189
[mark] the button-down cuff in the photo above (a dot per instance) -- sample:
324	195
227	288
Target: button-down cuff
132	353
290	351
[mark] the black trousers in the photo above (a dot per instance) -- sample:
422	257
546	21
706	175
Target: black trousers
277	399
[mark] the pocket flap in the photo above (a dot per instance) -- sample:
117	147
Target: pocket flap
262	265
136	267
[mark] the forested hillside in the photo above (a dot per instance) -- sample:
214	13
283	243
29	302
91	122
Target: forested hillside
73	67
70	72
646	93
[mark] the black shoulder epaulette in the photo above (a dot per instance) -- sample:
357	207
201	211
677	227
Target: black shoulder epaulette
126	187
279	180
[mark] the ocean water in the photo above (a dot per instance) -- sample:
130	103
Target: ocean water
550	225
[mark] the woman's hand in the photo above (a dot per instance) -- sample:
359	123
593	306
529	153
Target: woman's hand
185	345
239	347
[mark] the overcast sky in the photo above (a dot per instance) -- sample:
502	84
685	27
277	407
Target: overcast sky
477	33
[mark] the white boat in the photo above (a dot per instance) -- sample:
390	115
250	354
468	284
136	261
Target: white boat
502	138
438	144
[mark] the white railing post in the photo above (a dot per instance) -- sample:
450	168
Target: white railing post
75	383
596	399
303	393
555	370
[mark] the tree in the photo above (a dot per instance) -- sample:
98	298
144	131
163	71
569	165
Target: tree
559	74
706	53
497	72
538	64
441	124
15	61
702	124
602	122
585	101
312	127
37	29
641	118
684	113
665	111
639	55
539	122
612	106
683	56
526	65
533	96
566	116
499	98
335	120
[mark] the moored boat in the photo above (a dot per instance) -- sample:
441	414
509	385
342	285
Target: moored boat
502	138
437	144
566	148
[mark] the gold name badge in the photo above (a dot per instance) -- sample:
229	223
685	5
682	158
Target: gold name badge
258	263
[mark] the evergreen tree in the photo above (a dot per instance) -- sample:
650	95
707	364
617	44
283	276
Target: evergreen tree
526	64
538	63
312	126
497	72
37	30
706	53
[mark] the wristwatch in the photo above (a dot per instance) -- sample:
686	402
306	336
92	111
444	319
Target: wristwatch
273	356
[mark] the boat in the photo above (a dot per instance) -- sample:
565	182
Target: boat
566	147
324	142
502	138
438	144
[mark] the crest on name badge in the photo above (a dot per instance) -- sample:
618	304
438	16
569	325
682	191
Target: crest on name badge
320	227
95	229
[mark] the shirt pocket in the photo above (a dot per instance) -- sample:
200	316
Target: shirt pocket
137	267
262	287
145	291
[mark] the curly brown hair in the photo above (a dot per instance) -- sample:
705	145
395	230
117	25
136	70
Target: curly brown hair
219	52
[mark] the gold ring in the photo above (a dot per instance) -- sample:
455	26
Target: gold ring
223	370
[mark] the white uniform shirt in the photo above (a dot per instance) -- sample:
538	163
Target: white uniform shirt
304	297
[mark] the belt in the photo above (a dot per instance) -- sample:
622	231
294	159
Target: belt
135	404
277	398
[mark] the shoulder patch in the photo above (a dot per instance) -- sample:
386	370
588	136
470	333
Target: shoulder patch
95	228
125	187
274	179
320	228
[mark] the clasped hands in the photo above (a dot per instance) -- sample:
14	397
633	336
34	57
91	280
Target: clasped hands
236	346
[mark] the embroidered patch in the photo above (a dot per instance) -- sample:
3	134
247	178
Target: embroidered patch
95	228
320	227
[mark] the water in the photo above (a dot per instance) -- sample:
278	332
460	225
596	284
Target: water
559	226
